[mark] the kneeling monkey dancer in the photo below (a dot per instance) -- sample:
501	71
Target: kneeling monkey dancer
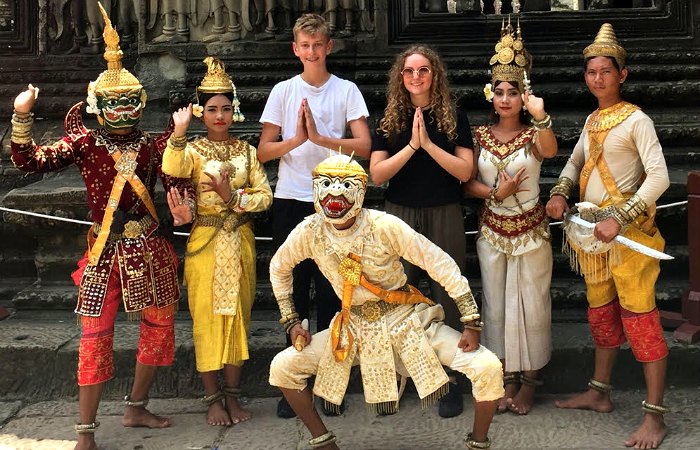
385	325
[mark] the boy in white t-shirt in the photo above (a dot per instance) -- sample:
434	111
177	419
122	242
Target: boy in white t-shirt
311	112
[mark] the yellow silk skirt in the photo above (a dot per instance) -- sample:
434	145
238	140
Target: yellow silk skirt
218	339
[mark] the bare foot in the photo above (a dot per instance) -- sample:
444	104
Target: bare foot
138	416
650	433
522	402
218	416
591	399
511	390
238	414
86	441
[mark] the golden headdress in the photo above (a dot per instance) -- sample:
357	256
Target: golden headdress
605	44
217	81
511	60
340	166
116	78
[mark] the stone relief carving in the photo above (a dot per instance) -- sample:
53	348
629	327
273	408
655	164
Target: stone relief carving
75	26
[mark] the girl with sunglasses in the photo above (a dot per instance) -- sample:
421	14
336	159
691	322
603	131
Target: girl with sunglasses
423	149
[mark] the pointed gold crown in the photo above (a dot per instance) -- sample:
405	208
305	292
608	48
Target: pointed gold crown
216	81
116	78
340	166
605	44
511	60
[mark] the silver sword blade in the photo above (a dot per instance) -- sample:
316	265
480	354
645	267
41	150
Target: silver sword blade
627	242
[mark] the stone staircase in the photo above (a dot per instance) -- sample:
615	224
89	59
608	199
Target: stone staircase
38	255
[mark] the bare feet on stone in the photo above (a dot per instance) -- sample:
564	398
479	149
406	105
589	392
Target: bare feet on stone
511	390
138	416
218	416
650	433
86	441
591	399
522	402
236	411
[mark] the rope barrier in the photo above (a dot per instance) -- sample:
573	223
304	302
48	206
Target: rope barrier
257	238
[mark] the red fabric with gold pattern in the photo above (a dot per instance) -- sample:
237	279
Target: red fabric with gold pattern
645	335
606	326
95	364
157	338
516	225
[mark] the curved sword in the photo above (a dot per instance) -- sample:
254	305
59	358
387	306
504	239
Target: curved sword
627	242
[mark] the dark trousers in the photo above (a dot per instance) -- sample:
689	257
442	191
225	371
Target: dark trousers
286	215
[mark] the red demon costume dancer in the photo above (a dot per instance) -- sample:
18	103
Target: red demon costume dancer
126	258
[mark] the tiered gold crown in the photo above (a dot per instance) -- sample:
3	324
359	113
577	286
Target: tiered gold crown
216	81
605	44
511	60
340	166
116	78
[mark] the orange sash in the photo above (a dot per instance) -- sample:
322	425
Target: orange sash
351	270
125	164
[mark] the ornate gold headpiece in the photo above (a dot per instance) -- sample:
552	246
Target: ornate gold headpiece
217	81
340	166
605	44
511	60
116	78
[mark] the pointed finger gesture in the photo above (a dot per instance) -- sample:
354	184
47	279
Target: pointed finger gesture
25	100
219	184
534	105
181	119
508	185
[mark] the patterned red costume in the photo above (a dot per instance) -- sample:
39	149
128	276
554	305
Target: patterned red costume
140	268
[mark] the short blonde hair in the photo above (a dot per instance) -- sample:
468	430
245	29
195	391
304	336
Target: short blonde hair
311	24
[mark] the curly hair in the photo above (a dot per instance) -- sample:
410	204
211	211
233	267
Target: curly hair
399	104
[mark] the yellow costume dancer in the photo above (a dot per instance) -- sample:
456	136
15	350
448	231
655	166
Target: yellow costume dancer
220	258
621	171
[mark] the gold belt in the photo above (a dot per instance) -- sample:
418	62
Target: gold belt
372	311
132	229
229	223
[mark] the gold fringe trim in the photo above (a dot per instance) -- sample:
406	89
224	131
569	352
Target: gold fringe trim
384	408
598	266
332	407
436	395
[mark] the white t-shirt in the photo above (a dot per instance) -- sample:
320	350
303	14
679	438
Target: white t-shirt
333	105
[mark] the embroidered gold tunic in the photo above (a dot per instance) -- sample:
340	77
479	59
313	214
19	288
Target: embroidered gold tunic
387	338
220	259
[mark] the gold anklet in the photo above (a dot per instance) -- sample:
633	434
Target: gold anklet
324	439
471	443
600	386
86	428
654	409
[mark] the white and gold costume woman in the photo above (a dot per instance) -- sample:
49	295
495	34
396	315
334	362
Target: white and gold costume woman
515	255
220	259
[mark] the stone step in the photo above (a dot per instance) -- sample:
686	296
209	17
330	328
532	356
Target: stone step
42	351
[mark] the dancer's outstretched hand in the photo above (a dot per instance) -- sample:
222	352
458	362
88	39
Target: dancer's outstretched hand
181	119
25	100
179	207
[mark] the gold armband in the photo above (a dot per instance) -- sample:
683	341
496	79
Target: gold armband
630	210
562	187
177	143
467	307
289	315
22	128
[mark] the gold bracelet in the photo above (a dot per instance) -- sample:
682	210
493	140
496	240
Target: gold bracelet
467	307
177	142
630	210
562	187
541	125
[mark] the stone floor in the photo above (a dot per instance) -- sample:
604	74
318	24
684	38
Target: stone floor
48	425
